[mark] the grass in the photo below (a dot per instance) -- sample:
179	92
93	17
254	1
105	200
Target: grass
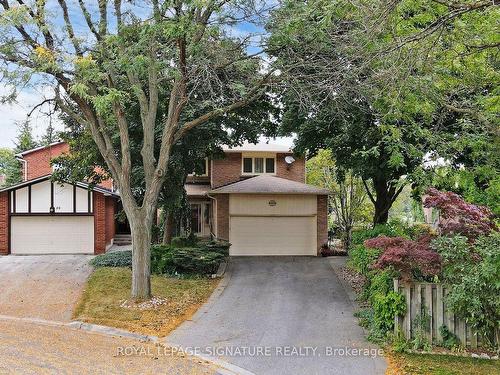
435	364
108	287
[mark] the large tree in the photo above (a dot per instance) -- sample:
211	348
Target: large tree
386	86
109	56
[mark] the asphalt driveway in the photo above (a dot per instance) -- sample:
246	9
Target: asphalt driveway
286	315
42	286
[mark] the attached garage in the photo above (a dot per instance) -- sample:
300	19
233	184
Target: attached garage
45	217
268	235
271	216
52	235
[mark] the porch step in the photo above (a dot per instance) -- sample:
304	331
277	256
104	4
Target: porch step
123	239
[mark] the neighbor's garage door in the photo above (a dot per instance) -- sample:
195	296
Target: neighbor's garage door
52	234
272	235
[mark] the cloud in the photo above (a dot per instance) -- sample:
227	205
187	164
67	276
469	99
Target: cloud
11	114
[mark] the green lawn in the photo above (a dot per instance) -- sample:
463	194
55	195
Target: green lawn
107	288
433	364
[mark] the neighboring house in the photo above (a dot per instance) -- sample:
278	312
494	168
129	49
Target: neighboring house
38	216
255	197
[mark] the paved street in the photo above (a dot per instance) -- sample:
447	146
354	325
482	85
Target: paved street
27	348
42	286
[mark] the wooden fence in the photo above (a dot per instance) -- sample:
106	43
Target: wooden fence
429	298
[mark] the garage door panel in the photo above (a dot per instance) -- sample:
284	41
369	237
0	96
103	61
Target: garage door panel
266	235
52	235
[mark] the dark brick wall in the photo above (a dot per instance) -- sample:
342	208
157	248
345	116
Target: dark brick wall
4	223
223	216
322	216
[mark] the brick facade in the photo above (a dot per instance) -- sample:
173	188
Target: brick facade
99	204
4	223
228	170
222	212
295	171
322	217
38	162
110	209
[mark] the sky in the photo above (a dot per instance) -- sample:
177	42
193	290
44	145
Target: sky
12	114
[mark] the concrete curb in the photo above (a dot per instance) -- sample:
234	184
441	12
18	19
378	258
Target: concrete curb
337	263
224	368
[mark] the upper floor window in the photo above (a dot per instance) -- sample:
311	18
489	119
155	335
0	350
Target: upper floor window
258	164
203	170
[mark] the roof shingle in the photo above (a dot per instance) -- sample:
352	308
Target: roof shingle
269	185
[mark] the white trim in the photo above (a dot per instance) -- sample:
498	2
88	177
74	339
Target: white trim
258	155
39	148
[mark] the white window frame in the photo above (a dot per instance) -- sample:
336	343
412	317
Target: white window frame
201	175
254	156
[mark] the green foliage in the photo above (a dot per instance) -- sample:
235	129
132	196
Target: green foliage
185	241
196	260
115	259
394	228
162	259
378	283
361	258
168	259
356	209
450	340
473	275
9	167
386	307
25	140
421	326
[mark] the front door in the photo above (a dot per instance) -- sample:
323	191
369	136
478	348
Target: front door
200	218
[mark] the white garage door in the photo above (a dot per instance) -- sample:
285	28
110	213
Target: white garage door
275	235
52	235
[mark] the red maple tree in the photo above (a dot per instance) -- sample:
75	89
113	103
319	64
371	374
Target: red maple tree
406	256
459	217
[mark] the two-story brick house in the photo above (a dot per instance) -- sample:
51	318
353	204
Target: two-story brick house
255	197
38	216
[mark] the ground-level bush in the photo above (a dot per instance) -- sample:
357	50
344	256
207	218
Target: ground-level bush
116	259
472	273
167	259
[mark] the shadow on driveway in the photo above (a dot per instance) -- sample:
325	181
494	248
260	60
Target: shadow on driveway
282	315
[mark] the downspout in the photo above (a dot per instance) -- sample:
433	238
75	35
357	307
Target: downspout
25	167
213	215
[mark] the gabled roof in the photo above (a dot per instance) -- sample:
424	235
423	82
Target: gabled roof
39	148
83	185
269	185
258	147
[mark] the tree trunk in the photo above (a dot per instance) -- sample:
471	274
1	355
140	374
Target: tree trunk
140	227
168	228
383	201
347	238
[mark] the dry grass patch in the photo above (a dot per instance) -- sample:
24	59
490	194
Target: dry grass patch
435	364
103	299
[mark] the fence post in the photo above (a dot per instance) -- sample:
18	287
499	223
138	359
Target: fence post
439	311
428	307
397	318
